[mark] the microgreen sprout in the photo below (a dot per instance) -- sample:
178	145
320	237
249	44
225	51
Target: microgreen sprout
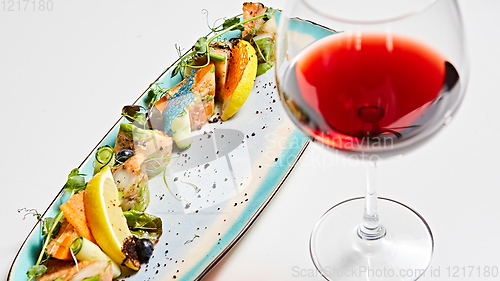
201	47
32	212
168	187
50	226
196	188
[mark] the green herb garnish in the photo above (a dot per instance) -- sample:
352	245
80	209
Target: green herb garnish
51	226
144	225
76	182
135	114
201	47
36	270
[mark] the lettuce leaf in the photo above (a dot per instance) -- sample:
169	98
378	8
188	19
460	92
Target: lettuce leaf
144	225
265	54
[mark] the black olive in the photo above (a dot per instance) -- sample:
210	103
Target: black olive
144	248
124	154
155	119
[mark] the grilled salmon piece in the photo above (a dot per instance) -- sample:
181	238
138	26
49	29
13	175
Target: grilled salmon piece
250	10
258	27
260	34
223	49
156	146
202	108
132	182
68	270
203	89
59	246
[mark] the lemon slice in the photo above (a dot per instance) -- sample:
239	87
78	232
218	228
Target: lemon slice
106	221
242	70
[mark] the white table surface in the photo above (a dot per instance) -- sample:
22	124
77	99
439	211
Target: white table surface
65	75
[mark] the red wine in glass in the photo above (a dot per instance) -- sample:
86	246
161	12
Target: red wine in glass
354	88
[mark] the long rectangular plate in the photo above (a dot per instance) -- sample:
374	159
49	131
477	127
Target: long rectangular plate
238	165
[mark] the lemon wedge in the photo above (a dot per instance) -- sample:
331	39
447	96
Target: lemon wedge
242	70
107	222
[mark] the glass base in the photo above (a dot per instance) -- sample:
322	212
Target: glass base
404	253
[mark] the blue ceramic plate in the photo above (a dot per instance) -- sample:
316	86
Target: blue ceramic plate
239	165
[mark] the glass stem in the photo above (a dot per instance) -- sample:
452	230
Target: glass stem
371	228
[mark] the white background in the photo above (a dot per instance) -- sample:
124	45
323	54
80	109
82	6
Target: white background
65	75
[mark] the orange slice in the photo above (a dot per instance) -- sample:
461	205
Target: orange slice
241	74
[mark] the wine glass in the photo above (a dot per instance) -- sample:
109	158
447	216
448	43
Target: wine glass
371	78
